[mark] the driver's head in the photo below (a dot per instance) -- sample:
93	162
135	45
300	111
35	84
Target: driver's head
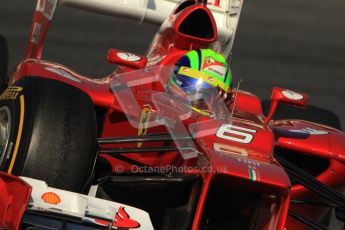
198	74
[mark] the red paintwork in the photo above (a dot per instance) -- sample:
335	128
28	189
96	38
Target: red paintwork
38	34
14	196
122	220
167	47
330	146
278	96
99	90
113	57
249	103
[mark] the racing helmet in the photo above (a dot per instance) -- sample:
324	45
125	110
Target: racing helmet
199	74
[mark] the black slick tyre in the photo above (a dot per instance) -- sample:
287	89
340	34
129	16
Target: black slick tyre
48	132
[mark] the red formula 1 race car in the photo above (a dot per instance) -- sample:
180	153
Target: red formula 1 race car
134	151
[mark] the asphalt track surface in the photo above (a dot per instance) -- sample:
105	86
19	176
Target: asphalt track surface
295	44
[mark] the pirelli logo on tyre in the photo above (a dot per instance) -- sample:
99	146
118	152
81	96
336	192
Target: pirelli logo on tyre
11	93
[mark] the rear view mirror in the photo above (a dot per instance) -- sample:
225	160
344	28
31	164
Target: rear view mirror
127	59
287	97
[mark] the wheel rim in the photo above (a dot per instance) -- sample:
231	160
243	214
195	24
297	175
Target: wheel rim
5	128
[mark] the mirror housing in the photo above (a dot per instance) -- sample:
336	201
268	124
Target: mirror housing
126	59
285	96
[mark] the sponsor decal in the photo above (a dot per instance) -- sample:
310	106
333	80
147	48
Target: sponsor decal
292	95
214	2
40	5
63	73
209	60
123	220
228	149
36	33
49	8
249	162
220	72
51	198
102	222
253	173
128	56
310	131
11	93
144	122
214	66
253	176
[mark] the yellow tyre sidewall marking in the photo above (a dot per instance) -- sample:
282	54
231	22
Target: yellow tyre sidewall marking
19	135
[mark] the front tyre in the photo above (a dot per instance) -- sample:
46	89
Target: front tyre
48	132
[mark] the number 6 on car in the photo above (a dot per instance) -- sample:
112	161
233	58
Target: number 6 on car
235	133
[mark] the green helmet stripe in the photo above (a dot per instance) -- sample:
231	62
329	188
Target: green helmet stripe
213	75
193	59
218	57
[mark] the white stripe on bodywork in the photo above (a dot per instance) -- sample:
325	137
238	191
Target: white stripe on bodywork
63	73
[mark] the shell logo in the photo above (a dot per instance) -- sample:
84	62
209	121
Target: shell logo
51	198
